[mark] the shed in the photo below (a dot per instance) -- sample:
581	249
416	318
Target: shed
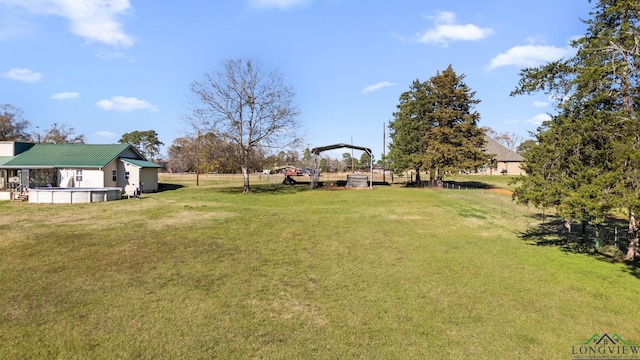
142	172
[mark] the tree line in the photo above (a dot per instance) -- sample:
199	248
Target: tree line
14	127
243	114
205	153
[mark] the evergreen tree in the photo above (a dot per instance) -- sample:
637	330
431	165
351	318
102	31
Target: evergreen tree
436	127
407	128
365	161
324	165
453	140
307	157
587	158
146	142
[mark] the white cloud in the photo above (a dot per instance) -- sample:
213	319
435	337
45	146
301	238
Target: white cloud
538	103
64	96
24	75
446	30
117	55
125	104
105	134
530	55
539	119
279	4
377	86
93	20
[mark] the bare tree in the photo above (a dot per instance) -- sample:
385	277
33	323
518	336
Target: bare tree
509	140
59	134
245	104
182	154
12	126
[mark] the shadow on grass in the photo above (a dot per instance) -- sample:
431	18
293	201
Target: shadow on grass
168	187
452	185
581	240
551	234
298	187
633	269
273	189
472	185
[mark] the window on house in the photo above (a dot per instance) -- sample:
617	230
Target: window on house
78	175
114	175
126	175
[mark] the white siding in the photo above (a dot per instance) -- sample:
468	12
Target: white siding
90	178
131	185
6	148
108	174
149	177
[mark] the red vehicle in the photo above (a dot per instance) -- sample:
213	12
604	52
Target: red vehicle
293	172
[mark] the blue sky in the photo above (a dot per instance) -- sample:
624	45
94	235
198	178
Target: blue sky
108	67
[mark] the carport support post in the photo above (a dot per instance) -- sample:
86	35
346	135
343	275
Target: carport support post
370	170
316	170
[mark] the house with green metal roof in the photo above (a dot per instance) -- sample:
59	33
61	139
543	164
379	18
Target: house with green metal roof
26	165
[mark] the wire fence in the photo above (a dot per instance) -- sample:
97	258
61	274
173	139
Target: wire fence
544	227
267	178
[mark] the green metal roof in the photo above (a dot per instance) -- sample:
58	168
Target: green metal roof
4	159
68	155
141	163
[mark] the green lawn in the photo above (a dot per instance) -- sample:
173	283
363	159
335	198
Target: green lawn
286	273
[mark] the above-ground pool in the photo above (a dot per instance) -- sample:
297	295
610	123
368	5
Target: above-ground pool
73	195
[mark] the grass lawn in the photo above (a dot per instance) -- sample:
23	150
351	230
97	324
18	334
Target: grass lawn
286	272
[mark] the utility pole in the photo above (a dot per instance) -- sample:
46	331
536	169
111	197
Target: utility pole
384	159
352	163
198	159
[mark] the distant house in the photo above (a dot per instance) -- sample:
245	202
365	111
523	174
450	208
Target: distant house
26	165
504	162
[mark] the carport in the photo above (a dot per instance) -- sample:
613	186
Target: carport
316	161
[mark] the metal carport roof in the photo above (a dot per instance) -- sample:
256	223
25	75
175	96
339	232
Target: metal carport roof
316	151
320	149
